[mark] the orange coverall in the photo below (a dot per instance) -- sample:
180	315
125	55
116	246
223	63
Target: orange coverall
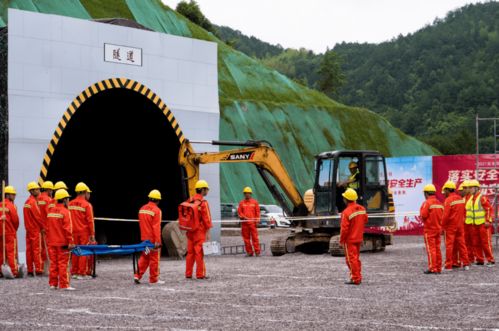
34	225
43	205
431	212
150	229
59	237
11	226
82	216
249	212
453	226
195	240
353	220
482	235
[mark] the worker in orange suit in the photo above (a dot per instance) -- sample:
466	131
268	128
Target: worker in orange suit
11	218
82	215
353	221
249	213
431	213
35	228
150	229
196	238
60	241
453	226
479	213
44	200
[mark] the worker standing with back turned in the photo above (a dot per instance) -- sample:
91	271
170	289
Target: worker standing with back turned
44	200
353	220
82	215
453	226
195	239
150	229
35	227
60	241
431	212
8	214
249	213
479	212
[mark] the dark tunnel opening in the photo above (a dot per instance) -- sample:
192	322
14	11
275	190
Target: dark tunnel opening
121	145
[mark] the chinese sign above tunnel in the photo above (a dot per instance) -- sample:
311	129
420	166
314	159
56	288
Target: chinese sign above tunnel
123	54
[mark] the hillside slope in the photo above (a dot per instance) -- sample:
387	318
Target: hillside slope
255	101
430	83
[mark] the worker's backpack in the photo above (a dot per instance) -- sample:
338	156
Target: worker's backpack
188	215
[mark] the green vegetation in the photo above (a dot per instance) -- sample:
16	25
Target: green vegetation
107	9
431	84
192	11
257	102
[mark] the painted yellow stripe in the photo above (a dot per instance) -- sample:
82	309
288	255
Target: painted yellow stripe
108	83
44	171
123	80
156	98
87	93
67	116
170	117
178	131
94	89
51	149
82	97
130	84
116	83
151	93
165	112
47	158
55	140
58	130
71	109
161	104
101	86
137	87
182	139
144	90
174	123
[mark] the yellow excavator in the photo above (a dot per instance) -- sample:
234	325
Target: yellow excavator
315	223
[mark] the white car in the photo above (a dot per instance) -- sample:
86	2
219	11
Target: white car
273	216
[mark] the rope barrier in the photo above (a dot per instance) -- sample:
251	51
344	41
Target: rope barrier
308	218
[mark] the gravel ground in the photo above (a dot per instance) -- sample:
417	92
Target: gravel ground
292	292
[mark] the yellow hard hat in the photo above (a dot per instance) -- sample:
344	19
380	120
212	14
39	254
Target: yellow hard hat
154	194
48	185
353	165
461	187
247	189
450	185
10	190
60	185
350	195
33	186
465	183
429	188
61	194
201	184
474	183
82	187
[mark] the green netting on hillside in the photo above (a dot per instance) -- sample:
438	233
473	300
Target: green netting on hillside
298	135
72	8
154	16
107	9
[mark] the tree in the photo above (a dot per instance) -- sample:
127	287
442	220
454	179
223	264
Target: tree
192	11
331	78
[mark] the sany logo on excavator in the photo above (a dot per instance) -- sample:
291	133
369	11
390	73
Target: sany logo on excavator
240	156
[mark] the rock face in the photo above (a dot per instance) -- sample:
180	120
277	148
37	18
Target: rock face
255	102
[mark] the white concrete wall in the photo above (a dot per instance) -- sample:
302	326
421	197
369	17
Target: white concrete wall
53	58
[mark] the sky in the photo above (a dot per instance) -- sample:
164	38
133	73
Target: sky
318	24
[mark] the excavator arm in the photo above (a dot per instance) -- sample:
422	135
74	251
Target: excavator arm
259	153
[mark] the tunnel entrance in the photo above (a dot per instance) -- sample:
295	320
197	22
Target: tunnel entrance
122	145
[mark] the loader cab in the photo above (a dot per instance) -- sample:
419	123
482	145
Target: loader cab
334	175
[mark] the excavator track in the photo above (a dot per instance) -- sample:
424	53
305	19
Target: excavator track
278	246
372	243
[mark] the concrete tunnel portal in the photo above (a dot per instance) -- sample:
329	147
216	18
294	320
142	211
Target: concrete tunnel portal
122	142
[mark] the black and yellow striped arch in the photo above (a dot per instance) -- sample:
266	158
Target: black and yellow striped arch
106	84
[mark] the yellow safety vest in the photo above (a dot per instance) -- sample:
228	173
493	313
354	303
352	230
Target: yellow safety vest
354	185
475	214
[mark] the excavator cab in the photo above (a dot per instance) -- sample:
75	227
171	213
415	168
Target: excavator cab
364	171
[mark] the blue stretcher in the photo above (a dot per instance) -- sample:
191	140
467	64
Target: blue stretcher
94	250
